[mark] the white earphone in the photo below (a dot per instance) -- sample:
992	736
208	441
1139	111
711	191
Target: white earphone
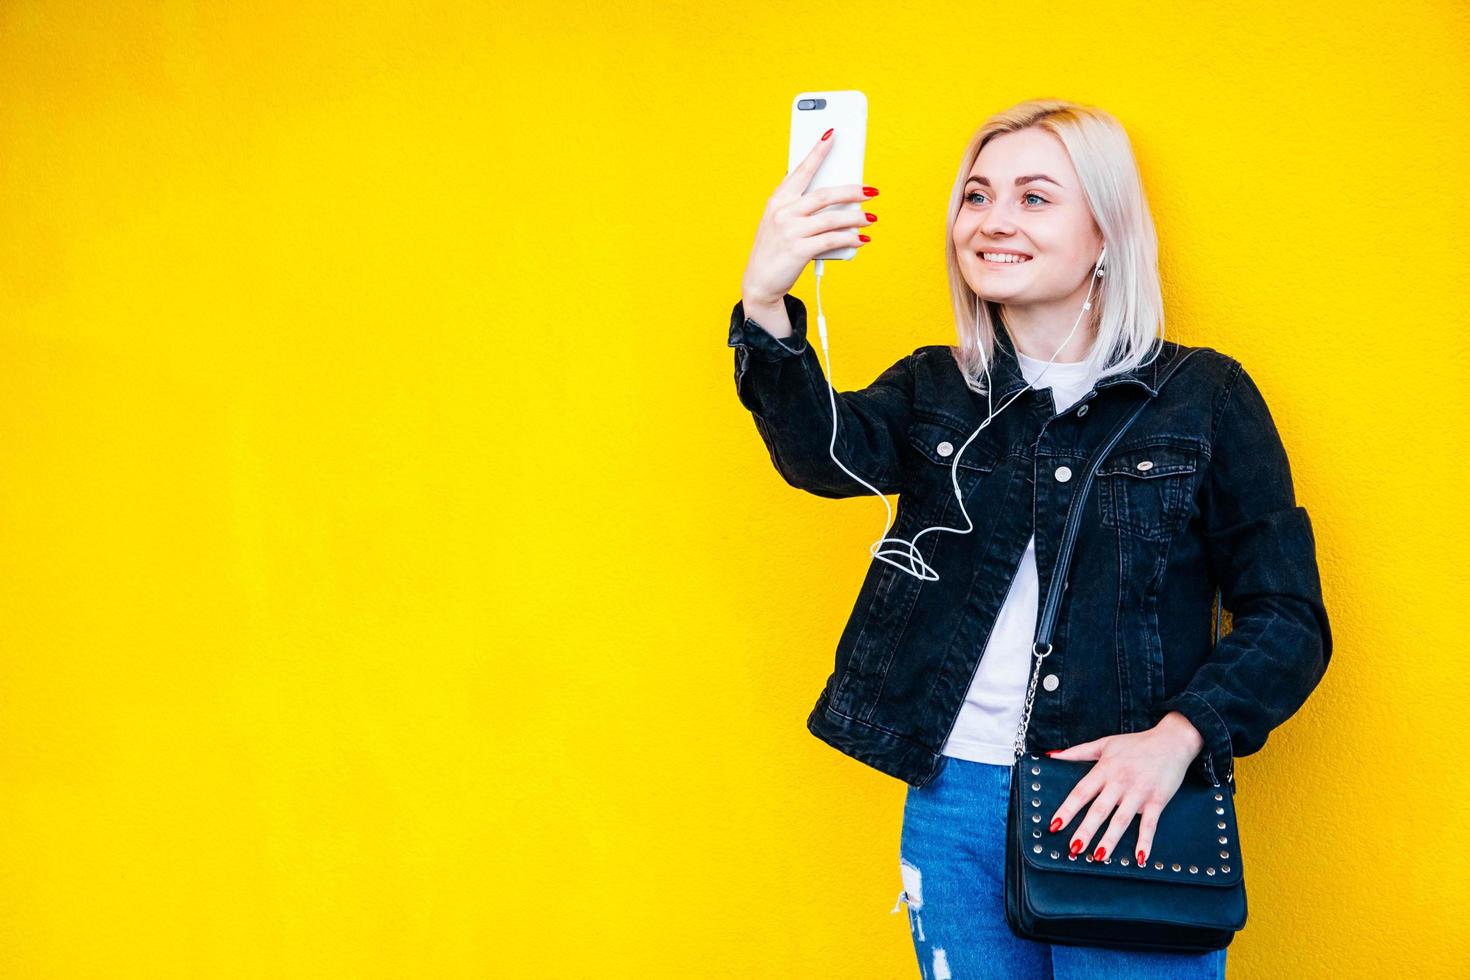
915	564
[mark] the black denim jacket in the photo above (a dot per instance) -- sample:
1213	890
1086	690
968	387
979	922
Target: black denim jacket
1197	494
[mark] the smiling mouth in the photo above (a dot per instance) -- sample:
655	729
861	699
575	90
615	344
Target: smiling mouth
1008	260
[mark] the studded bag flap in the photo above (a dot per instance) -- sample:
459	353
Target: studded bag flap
1188	897
1195	839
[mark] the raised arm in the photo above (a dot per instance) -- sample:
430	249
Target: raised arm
782	383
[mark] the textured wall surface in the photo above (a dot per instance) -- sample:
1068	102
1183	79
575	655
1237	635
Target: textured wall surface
392	586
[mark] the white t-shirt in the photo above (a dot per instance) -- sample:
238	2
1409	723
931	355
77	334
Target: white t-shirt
986	728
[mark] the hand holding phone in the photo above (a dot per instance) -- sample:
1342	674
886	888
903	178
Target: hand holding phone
809	215
846	112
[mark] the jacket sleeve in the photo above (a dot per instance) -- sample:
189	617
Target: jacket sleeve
1260	548
782	383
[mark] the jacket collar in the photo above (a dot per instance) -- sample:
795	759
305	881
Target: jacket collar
1005	368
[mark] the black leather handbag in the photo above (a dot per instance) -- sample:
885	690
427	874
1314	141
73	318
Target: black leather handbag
1190	894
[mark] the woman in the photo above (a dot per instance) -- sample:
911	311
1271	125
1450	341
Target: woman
1053	270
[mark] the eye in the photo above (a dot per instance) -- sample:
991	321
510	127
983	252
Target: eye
970	197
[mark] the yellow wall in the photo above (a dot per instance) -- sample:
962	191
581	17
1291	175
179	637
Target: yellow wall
394	587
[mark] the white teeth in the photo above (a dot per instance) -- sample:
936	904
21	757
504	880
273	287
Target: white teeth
1002	257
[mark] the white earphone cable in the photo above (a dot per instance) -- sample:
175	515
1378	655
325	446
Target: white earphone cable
915	564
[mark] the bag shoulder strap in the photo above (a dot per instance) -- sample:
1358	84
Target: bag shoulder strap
1047	621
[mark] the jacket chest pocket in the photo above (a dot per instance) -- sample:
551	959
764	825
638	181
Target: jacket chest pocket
1146	491
933	470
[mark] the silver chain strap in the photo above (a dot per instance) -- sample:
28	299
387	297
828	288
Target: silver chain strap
1030	697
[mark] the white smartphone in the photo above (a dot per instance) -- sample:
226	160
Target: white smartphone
846	112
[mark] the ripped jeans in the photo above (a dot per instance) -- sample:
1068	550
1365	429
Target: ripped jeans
952	861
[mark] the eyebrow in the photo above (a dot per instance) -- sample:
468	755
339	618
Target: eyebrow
1019	180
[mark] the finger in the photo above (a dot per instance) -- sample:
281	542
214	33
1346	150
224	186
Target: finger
818	244
1122	817
799	179
815	200
1085	790
1096	814
1080	751
837	219
1146	825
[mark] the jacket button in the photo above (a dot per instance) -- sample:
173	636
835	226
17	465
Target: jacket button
1147	464
1050	682
944	448
1082	411
1063	474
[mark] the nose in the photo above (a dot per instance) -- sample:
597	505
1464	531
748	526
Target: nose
997	223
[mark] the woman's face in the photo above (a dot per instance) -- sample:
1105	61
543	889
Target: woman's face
1023	196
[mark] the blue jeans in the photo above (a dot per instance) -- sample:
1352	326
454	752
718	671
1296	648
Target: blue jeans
952	861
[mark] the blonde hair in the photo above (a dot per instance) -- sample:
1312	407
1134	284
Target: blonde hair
1128	303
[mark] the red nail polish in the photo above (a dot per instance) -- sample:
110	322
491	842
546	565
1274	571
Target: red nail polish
1076	846
864	238
1051	752
1140	858
870	191
826	134
870	217
1056	824
1099	854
